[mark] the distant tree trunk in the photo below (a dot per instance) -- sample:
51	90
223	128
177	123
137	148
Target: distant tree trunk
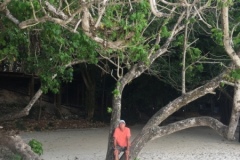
103	98
225	105
57	103
90	84
90	101
31	87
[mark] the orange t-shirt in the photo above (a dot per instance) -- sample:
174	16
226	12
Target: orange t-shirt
121	136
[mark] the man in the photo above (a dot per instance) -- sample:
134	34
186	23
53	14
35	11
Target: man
121	140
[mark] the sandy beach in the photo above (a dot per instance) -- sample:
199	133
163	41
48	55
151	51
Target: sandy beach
199	143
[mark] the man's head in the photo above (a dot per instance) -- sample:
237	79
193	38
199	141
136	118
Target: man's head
122	124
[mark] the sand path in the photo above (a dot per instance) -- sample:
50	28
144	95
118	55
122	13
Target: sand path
91	144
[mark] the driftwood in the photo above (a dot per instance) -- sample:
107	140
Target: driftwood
12	141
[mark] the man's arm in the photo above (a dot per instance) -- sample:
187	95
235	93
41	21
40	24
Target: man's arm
128	143
114	143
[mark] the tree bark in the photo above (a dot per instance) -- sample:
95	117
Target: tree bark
228	45
235	112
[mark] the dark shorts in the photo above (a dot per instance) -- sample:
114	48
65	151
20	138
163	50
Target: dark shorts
121	149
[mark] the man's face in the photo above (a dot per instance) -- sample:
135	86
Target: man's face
122	126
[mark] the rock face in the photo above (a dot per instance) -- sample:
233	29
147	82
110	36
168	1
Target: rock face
13	102
9	97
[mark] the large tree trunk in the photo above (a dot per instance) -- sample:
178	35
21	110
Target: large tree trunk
227	41
235	112
17	145
149	130
115	117
135	72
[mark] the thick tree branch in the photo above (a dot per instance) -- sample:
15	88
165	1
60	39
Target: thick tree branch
213	123
156	132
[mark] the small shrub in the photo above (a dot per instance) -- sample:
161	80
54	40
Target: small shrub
36	146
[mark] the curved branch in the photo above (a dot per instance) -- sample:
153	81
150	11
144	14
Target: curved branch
155	11
213	123
155	132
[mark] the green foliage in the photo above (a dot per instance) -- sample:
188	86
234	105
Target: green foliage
116	92
236	41
36	146
109	110
128	23
179	41
139	53
11	42
235	74
222	84
194	53
164	32
225	4
58	48
217	35
44	49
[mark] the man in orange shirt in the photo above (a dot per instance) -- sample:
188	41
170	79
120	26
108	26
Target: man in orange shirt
121	141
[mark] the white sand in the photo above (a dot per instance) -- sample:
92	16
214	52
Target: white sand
91	144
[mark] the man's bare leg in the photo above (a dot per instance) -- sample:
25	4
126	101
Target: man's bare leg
116	154
127	155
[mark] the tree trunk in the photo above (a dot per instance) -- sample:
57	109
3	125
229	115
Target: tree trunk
235	112
227	41
90	84
31	87
57	104
90	102
115	117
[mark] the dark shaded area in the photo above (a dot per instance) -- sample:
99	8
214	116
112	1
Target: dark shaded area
141	98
